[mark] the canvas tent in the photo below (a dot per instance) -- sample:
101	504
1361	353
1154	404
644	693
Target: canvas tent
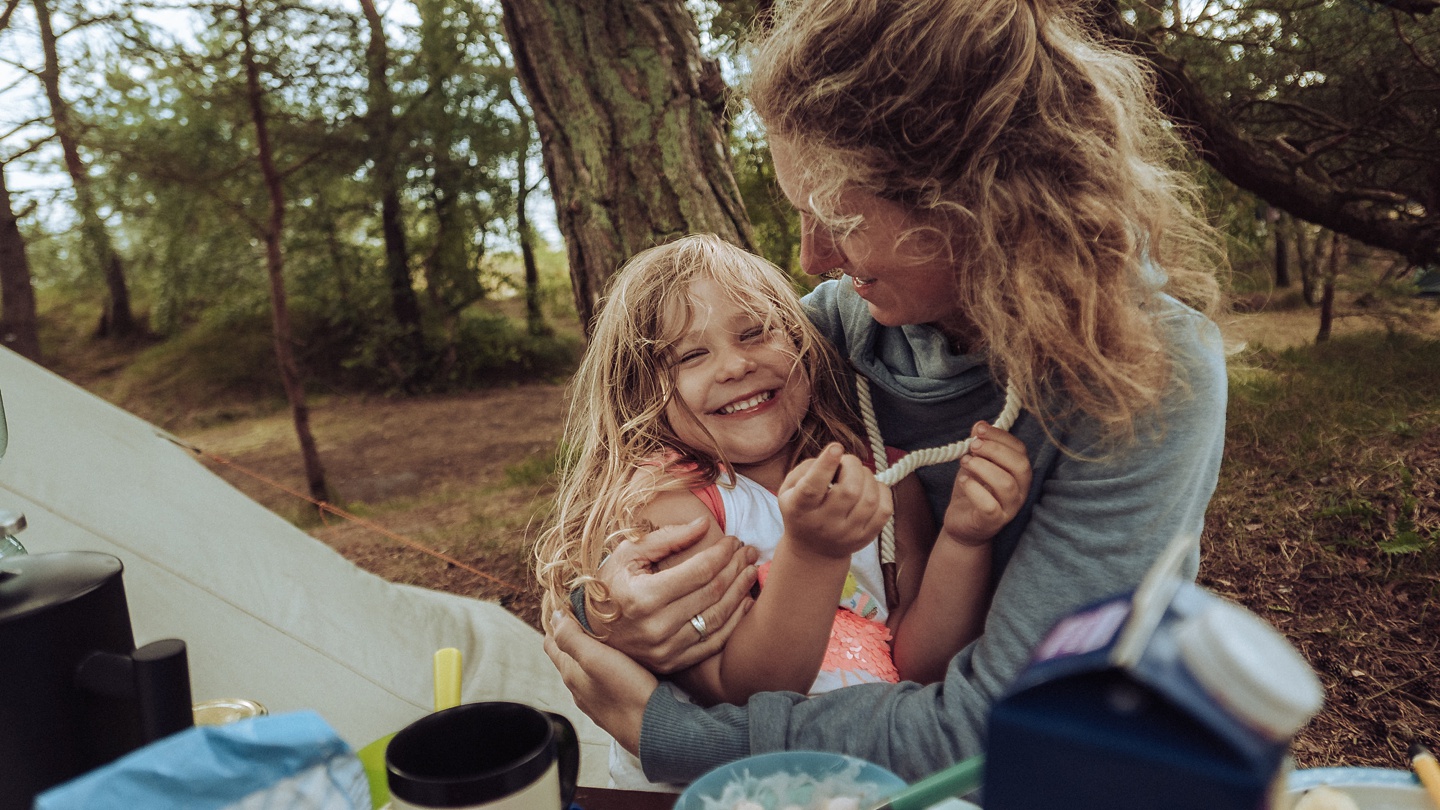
267	612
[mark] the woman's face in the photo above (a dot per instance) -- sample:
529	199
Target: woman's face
902	283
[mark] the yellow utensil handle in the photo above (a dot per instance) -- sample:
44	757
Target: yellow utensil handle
447	678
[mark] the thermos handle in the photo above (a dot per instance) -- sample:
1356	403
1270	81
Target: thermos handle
156	677
567	753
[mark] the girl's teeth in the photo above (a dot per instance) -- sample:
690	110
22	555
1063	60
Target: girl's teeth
747	404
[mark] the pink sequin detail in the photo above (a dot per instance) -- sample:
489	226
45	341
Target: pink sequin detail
856	644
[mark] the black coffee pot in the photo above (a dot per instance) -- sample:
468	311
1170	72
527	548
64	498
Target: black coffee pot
75	694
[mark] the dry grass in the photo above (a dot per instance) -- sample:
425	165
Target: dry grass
1326	522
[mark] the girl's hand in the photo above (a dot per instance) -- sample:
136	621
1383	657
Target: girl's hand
992	485
832	504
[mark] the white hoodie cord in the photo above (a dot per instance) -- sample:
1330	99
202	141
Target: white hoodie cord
915	459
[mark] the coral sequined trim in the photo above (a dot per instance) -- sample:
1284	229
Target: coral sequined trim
856	644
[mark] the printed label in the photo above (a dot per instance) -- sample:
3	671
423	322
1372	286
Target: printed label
1084	632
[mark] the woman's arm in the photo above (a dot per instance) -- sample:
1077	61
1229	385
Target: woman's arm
607	684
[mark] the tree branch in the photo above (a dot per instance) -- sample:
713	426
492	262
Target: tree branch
1429	64
1410	6
10	6
1408	228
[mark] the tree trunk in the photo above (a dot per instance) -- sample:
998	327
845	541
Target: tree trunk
1282	262
381	125
1338	256
275	266
630	122
118	319
19	326
534	312
1282	251
1308	256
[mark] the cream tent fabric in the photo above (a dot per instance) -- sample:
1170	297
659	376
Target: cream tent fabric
267	612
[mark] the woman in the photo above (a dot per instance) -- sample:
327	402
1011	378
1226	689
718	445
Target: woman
993	187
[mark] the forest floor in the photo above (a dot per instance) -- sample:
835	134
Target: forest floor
469	476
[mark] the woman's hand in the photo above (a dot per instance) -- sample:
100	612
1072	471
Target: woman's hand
832	504
608	686
656	608
992	485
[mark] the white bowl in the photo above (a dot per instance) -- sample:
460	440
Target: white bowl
1371	788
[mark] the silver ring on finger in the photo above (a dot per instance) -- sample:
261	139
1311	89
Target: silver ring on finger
699	624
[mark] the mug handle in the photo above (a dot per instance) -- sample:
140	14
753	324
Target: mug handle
567	750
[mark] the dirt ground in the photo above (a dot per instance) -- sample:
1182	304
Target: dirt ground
415	476
465	476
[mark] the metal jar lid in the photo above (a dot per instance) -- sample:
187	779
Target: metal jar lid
226	710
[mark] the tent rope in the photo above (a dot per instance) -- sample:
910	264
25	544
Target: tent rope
915	459
325	507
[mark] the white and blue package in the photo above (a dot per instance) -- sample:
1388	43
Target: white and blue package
292	761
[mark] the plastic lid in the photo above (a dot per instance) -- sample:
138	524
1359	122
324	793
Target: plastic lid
11	522
1250	668
39	582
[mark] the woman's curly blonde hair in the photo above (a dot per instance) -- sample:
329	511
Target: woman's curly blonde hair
617	425
1035	151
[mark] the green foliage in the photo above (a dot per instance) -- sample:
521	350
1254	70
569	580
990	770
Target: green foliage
492	349
1352	428
773	220
507	273
224	366
217	369
174	146
1238	216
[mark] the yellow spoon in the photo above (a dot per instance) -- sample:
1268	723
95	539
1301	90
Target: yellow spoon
447	695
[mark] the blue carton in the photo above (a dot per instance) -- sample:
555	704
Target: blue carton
1169	698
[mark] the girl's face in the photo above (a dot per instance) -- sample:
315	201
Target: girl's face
737	381
901	282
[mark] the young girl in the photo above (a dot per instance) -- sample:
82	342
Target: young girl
706	393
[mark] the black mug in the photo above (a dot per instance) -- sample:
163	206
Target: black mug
495	756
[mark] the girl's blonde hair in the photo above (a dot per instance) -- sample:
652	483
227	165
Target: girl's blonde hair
1035	152
617	424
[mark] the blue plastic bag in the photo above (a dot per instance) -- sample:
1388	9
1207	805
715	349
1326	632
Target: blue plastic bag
282	762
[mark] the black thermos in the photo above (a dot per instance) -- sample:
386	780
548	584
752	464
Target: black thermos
75	694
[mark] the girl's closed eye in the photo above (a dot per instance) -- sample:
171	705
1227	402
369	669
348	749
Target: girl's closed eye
688	356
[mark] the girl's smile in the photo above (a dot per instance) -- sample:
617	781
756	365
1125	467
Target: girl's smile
748	405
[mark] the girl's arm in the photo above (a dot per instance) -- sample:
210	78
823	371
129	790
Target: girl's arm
832	506
779	643
953	596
